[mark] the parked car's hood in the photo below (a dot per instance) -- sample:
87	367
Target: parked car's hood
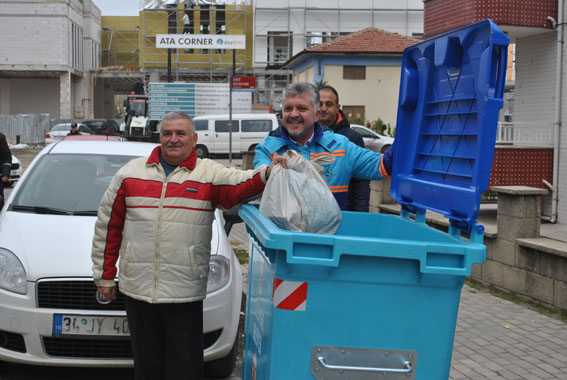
49	245
58	245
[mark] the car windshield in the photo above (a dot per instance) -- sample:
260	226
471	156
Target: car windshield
67	184
95	125
62	127
138	107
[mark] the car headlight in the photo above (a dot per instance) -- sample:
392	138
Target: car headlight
219	273
12	273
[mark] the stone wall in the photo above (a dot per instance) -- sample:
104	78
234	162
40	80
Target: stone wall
518	259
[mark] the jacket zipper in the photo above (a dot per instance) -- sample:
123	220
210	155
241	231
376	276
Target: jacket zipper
158	234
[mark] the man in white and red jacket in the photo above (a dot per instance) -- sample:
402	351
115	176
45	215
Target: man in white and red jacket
157	217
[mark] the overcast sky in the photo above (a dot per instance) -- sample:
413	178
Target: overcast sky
118	7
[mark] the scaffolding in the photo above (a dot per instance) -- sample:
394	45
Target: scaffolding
282	31
121	48
274	33
204	64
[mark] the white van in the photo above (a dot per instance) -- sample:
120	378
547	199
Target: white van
248	130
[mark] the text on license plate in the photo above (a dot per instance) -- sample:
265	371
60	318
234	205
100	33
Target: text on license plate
90	325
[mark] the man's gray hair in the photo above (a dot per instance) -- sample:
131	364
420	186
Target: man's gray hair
300	88
177	115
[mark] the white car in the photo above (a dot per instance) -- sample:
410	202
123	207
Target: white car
373	140
15	172
59	131
49	313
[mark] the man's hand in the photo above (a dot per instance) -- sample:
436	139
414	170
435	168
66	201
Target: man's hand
108	292
277	160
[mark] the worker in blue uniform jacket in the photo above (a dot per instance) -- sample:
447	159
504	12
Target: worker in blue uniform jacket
301	132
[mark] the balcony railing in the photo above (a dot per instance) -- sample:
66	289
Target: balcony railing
532	134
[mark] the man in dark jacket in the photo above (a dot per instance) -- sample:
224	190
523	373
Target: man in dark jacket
5	165
74	130
332	117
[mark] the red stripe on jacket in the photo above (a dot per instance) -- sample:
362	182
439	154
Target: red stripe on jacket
229	196
226	195
217	194
114	235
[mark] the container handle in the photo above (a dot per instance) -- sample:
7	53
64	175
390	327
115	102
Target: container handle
407	367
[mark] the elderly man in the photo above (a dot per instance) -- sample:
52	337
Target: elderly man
331	115
156	216
302	133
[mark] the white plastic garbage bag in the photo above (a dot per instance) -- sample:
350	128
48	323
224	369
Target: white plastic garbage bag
299	199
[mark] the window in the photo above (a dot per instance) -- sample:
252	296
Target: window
95	56
316	38
84	129
76	47
354	72
364	133
256	125
354	113
279	46
222	125
201	125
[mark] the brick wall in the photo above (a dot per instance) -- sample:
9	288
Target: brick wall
519	166
441	16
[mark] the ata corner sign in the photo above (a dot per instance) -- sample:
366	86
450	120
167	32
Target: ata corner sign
200	41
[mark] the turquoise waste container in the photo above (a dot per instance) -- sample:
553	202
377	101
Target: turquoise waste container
379	299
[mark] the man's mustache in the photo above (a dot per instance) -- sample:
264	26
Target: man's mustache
172	145
295	120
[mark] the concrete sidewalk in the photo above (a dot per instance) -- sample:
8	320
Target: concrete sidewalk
495	339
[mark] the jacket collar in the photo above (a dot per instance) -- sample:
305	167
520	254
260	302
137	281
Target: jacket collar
279	138
341	122
189	163
317	134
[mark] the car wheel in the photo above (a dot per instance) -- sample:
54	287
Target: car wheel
201	151
384	148
223	367
252	148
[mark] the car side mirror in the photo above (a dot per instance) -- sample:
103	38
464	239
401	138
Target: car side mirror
231	217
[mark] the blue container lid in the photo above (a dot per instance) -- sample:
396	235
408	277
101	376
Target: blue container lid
451	90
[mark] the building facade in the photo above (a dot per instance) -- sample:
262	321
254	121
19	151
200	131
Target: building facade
364	68
540	101
46	52
282	29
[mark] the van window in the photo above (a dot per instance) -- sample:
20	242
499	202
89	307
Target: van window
256	125
222	125
201	125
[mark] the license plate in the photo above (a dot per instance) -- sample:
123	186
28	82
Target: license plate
90	325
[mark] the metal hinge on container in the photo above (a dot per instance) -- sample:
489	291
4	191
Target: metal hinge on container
330	363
